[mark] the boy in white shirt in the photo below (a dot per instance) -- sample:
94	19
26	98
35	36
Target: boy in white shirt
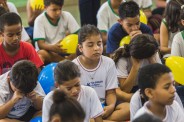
50	28
157	85
21	97
67	77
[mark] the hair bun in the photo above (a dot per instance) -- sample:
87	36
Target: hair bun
59	96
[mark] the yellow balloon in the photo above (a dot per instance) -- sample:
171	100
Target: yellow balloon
143	17
176	64
125	40
37	3
70	43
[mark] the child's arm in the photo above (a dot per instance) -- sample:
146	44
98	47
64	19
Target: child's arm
53	48
32	14
126	84
36	99
111	102
6	108
164	39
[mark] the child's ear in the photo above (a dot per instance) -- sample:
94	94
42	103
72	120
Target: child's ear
80	48
182	22
56	84
149	92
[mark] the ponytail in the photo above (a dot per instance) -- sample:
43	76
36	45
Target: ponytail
121	52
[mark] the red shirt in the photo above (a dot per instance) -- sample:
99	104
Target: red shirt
26	52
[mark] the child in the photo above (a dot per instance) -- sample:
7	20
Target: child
10	7
99	72
21	96
12	49
107	16
67	77
65	108
157	85
170	26
50	28
141	51
129	24
178	40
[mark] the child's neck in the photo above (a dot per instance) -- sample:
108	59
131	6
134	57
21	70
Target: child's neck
9	50
54	21
157	109
88	63
115	6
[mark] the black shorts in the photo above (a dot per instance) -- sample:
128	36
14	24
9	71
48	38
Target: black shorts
28	115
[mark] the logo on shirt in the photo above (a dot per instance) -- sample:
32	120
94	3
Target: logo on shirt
95	84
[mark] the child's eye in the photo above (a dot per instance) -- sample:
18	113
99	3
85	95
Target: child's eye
99	44
68	89
90	45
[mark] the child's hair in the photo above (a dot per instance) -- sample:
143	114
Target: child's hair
172	14
66	70
147	118
182	12
149	75
66	107
9	18
56	2
24	76
87	31
140	47
128	9
154	23
2	10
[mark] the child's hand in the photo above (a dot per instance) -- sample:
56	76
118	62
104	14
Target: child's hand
107	111
152	59
32	95
58	48
4	4
136	62
17	96
135	33
38	9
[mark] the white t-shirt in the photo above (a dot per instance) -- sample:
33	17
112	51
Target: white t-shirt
174	112
44	29
101	78
143	4
106	17
12	8
88	99
21	107
177	48
124	65
136	104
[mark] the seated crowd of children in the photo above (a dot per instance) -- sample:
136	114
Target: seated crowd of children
102	81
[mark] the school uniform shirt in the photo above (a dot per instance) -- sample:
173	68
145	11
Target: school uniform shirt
116	33
88	99
174	112
12	8
177	48
124	66
136	103
22	106
51	33
144	4
101	78
26	52
106	17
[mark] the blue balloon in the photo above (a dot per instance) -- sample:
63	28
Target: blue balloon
36	119
46	77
